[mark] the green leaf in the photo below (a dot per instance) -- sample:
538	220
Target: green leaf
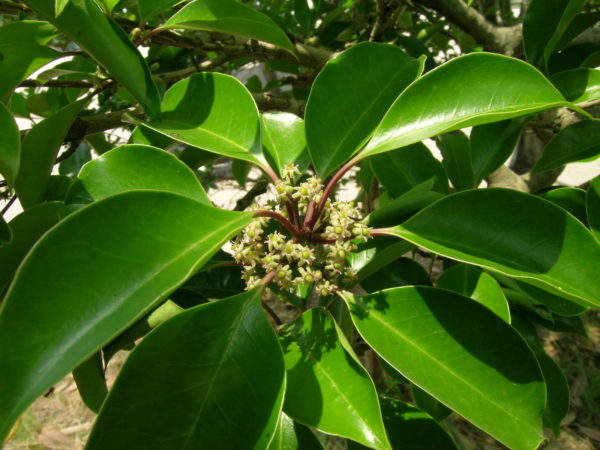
515	234
411	428
558	395
26	229
214	112
219	383
428	404
151	8
453	96
569	199
229	16
102	39
592	205
578	85
5	232
10	146
306	13
401	272
59	5
472	282
327	388
492	144
91	384
284	140
35	31
459	352
95	273
544	24
132	167
291	435
349	98
573	143
402	170
38	154
376	254
457	159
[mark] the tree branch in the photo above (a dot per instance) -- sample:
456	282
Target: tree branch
506	40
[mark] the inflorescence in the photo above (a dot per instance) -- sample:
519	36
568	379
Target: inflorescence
301	252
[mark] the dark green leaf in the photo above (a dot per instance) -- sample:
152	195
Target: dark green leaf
411	428
592	206
306	12
578	85
457	159
492	144
558	395
401	272
327	388
38	154
544	24
578	25
428	404
472	282
101	38
132	167
10	146
284	140
150	8
26	229
225	121
545	245
463	355
219	383
291	435
376	254
401	170
217	282
91	384
452	97
349	98
5	232
569	199
98	271
573	143
229	16
240	170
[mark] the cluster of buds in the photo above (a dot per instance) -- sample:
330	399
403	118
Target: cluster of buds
317	256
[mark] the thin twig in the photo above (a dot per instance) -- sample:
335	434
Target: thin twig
8	205
285	222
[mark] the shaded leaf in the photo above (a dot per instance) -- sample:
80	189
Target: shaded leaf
349	98
219	383
428	404
569	199
150	8
284	140
573	143
452	96
400	272
10	146
229	16
480	228
376	254
291	435
463	355
578	85
457	159
122	256
327	388
592	206
91	384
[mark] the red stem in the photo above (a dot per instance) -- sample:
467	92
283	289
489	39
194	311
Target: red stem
382	232
285	222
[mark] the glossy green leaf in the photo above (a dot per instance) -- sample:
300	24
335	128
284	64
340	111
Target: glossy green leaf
327	388
569	199
545	245
36	31
428	404
150	8
376	254
229	16
26	229
402	170
101	268
91	384
217	282
461	353
492	144
472	282
573	143
284	140
291	435
578	25
219	383
214	112
38	154
543	26
578	85
452	96
411	428
592	206
400	272
132	167
457	159
349	98
101	38
10	145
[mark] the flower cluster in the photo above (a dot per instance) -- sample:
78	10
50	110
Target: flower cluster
318	256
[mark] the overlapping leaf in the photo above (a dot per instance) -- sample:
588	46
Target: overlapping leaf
10	146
